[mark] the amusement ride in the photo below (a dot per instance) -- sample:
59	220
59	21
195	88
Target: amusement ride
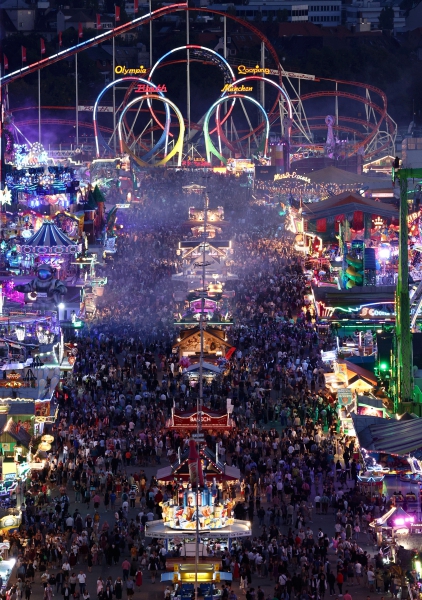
236	124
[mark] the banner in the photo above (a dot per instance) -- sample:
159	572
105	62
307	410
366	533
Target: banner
207	421
230	352
42	46
60	39
265	172
98	21
23	50
117	13
135	5
80	31
5	62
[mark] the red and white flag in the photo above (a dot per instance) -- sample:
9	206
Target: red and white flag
135	6
23	50
80	32
98	21
60	39
42	46
5	62
117	13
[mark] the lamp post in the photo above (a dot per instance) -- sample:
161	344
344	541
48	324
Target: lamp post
200	399
37	364
20	332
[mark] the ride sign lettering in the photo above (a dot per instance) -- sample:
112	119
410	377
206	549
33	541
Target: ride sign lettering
143	88
242	70
122	70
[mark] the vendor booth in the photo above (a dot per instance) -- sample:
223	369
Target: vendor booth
396	522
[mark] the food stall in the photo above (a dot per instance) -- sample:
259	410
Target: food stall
395	522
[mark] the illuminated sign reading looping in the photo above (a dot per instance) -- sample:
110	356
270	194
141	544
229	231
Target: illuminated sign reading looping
122	70
242	70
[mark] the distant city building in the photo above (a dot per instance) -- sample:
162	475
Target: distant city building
69	18
320	12
414	19
411	152
361	13
325	13
21	14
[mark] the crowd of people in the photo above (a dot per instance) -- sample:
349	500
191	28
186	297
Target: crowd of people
88	507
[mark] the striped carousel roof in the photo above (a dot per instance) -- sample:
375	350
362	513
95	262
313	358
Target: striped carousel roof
49	239
49	235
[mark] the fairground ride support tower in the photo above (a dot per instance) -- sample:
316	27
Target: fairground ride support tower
403	351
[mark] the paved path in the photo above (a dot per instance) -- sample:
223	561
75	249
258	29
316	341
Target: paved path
156	591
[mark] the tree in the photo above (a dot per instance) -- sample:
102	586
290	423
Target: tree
386	18
407	5
282	16
258	17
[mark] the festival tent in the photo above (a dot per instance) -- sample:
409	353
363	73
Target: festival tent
333	175
391	437
396	516
345	203
49	239
362	422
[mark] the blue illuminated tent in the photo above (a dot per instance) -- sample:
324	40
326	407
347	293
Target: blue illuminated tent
49	239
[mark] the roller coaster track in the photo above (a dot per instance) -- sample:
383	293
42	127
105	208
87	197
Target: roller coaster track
302	126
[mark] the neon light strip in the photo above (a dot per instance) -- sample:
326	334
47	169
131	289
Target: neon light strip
209	146
97	133
352	310
40	64
190	47
178	146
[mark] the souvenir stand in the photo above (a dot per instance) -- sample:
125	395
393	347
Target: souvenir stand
394	523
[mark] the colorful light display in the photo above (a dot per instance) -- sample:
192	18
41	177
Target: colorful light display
97	133
178	146
185	513
209	146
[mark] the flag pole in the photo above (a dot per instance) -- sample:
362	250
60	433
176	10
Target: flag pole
77	99
114	93
39	100
1	126
39	91
116	20
39	105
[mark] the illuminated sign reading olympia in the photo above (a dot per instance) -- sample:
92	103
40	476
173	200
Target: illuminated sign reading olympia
122	70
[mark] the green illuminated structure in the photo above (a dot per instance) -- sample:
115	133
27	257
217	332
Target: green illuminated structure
403	355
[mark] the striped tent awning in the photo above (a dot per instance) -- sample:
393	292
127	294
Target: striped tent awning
392	437
49	239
